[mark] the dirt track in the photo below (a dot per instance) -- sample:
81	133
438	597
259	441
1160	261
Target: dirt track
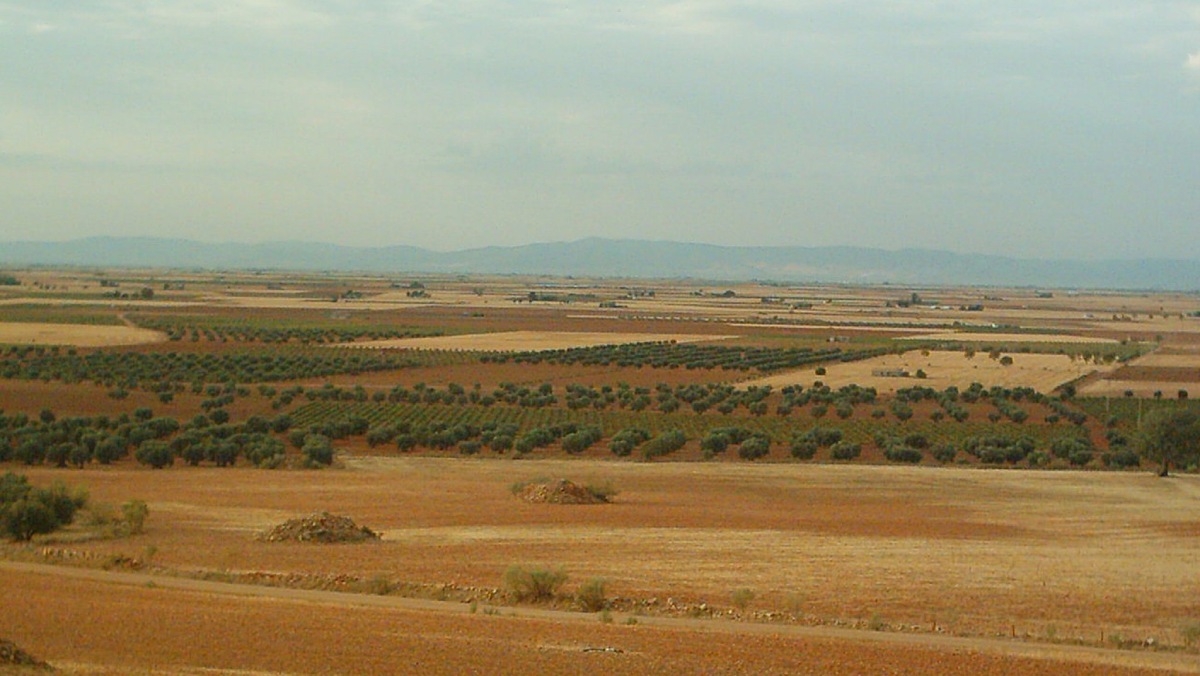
458	641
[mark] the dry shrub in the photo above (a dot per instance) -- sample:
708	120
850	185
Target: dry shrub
590	597
11	655
533	584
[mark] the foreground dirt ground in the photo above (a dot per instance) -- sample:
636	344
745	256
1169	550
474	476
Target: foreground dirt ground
1097	558
189	627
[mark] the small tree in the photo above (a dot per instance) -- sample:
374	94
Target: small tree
26	511
157	454
318	450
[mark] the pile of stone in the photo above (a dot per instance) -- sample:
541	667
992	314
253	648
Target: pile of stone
558	492
320	528
12	655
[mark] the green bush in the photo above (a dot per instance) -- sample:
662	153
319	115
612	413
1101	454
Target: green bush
714	442
944	453
754	448
903	454
318	450
26	511
664	444
845	450
157	454
1122	459
803	449
1080	458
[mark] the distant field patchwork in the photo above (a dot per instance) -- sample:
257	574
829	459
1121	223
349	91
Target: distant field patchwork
523	341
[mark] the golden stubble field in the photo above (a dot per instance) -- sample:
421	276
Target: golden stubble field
1043	372
973	552
78	335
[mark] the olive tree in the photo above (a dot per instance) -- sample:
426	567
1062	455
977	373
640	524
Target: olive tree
1170	436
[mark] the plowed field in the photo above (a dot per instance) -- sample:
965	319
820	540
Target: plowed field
1075	556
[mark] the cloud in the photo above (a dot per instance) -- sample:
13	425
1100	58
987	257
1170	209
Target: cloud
1193	61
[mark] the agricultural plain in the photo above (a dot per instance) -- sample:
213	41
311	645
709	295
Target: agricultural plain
800	479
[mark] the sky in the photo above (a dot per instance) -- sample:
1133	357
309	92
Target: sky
1047	129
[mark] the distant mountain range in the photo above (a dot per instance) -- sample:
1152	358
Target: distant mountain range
621	258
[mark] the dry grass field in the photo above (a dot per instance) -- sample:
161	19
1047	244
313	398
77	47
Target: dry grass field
77	335
1042	372
976	337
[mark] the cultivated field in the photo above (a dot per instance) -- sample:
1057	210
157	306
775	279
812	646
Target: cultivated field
1166	372
532	340
78	335
869	524
980	337
937	551
943	369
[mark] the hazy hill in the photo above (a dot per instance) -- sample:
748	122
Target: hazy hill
625	258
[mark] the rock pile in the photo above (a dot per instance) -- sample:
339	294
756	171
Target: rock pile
12	655
321	528
558	492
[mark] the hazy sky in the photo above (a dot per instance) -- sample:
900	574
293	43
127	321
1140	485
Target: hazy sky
1043	129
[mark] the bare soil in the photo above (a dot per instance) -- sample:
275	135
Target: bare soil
165	625
974	552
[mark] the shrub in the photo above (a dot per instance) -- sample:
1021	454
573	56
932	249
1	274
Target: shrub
754	448
26	511
823	436
157	454
623	442
1038	459
533	584
1080	458
1123	458
714	442
741	598
1065	447
318	450
903	454
803	449
577	442
135	513
918	441
944	453
664	444
845	450
590	598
